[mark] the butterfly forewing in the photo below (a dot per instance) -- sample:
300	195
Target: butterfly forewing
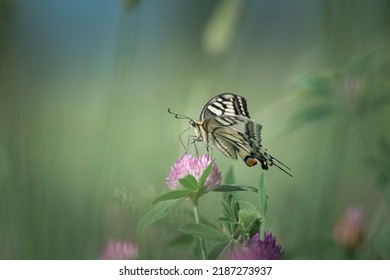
226	104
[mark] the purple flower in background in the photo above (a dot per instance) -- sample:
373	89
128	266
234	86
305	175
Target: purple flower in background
349	230
257	249
189	165
119	250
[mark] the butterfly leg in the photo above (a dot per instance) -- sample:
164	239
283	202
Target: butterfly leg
208	149
196	149
192	139
181	141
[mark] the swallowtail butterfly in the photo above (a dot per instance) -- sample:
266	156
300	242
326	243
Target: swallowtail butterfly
225	124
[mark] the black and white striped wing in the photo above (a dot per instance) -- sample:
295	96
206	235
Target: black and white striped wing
225	104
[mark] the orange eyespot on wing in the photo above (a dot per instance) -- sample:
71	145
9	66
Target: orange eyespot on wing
250	161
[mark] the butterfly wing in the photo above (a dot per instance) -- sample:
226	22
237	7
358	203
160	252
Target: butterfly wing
234	135
225	104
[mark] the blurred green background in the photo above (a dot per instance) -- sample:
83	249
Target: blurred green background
86	141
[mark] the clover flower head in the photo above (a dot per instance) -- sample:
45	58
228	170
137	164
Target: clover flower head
195	166
256	249
119	250
349	230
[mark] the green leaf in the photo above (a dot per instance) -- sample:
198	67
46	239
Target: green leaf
205	174
228	211
216	250
226	220
234	205
189	183
311	114
232	201
316	85
203	231
158	212
229	198
262	197
234	188
172	195
181	241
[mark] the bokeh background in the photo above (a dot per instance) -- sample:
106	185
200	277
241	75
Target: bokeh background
86	141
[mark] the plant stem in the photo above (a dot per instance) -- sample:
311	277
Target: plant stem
262	205
201	241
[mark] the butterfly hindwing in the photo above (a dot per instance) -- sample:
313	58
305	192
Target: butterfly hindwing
234	135
239	133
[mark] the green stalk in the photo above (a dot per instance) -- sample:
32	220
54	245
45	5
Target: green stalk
201	241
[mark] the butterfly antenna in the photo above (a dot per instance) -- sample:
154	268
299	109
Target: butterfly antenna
179	116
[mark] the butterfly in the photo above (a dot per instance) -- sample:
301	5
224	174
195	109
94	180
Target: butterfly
225	124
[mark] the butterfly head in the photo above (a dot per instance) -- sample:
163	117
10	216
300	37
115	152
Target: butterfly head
198	130
193	123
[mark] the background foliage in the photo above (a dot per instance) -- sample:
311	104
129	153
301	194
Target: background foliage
86	141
